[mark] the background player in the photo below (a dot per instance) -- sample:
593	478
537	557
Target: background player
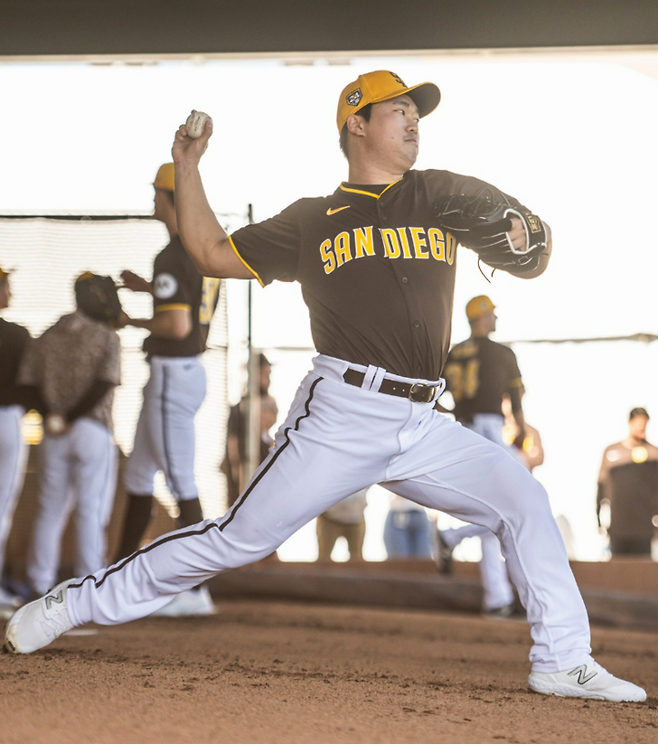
74	367
628	485
14	340
235	465
480	373
183	305
377	273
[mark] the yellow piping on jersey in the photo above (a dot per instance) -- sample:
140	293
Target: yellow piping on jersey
368	193
230	240
173	306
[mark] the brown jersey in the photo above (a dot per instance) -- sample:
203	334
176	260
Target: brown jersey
177	284
628	479
377	271
479	372
14	341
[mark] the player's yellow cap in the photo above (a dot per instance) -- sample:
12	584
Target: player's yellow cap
382	85
478	307
3	274
164	178
84	276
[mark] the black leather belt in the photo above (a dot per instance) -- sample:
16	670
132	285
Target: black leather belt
418	392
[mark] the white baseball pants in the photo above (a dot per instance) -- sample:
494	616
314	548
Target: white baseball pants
164	438
337	439
498	591
78	472
13	455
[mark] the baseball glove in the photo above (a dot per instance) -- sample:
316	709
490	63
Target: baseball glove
481	222
98	298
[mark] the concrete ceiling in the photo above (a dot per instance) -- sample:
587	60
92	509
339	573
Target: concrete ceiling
167	29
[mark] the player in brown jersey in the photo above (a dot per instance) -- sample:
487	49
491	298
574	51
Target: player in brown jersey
377	274
183	304
480	374
628	485
14	341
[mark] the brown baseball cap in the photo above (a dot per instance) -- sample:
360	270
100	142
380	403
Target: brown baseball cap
382	85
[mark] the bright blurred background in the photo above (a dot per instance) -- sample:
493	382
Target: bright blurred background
571	135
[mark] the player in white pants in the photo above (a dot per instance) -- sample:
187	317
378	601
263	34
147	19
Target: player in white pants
498	591
73	369
14	340
13	456
378	277
78	471
165	433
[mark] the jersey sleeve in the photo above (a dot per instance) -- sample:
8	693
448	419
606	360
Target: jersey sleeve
514	383
270	249
469	186
172	284
604	470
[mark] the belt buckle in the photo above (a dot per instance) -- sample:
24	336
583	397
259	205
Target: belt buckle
419	392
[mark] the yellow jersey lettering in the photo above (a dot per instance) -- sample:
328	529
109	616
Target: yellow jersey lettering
390	240
209	292
452	247
342	248
418	239
328	257
363	242
437	243
406	251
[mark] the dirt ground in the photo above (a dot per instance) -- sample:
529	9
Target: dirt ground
276	672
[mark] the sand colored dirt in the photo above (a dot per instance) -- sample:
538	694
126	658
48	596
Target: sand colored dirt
276	672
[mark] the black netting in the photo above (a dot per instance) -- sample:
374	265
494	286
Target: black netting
46	254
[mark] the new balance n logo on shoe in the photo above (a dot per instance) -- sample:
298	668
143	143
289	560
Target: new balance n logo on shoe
583	677
54	599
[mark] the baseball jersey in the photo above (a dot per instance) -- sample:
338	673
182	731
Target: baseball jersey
377	272
14	340
628	479
479	372
68	359
177	284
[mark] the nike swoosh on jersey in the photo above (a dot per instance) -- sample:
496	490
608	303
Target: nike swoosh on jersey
338	209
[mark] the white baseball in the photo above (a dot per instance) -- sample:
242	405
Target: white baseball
195	123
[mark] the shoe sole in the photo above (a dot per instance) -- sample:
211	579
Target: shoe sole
577	692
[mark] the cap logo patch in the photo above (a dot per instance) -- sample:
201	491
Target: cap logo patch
354	98
398	79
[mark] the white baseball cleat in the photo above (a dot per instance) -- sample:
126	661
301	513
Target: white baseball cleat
190	603
39	623
587	681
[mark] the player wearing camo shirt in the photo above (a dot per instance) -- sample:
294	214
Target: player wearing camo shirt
73	368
